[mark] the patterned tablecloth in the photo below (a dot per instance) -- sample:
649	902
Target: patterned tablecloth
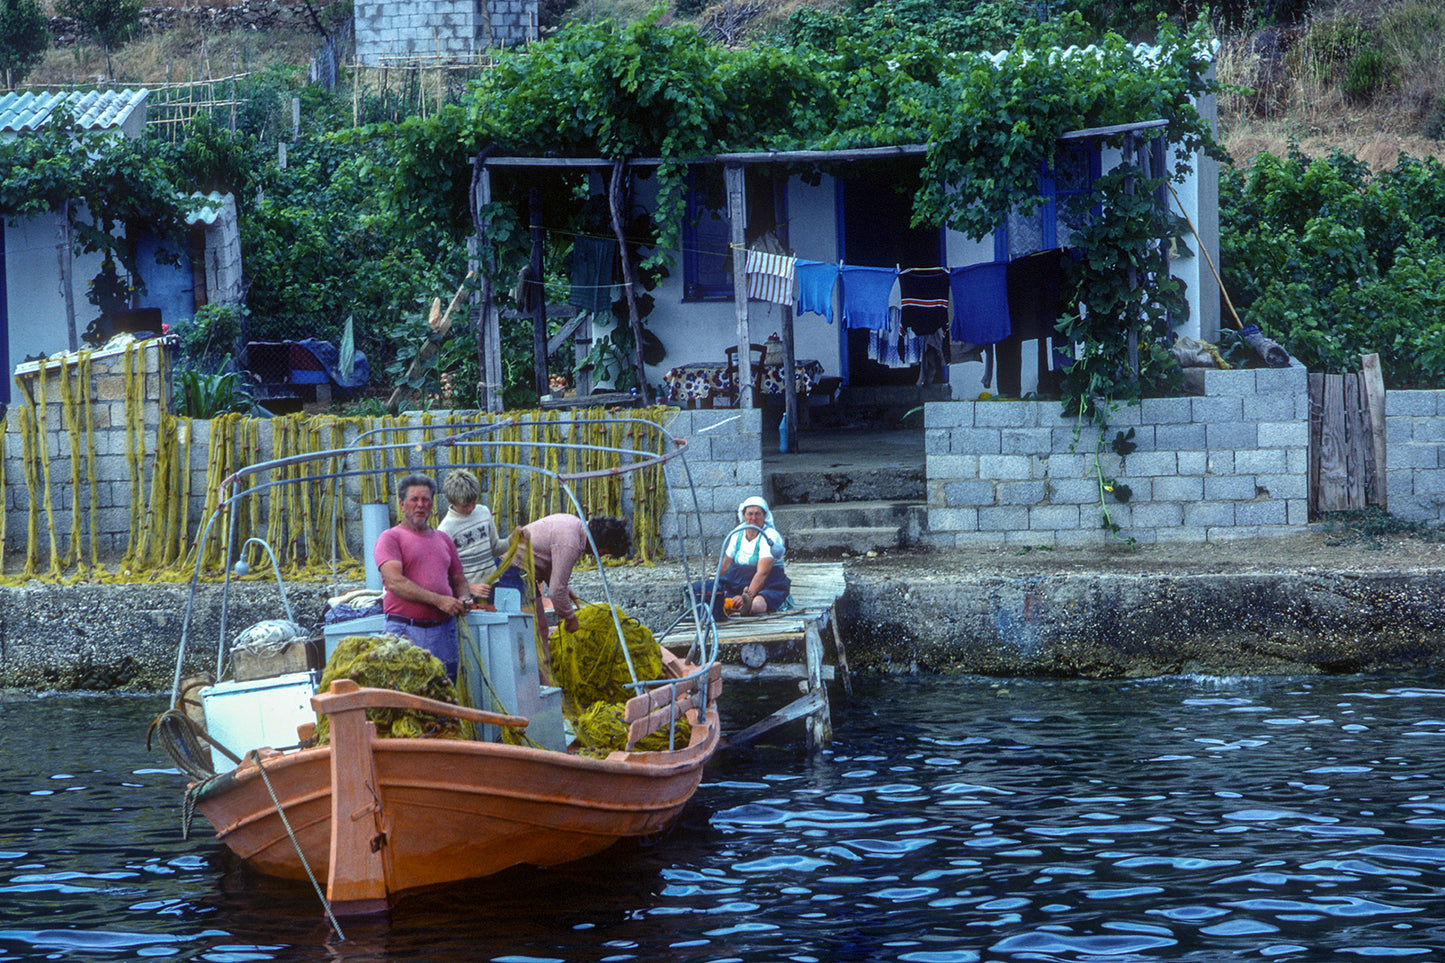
700	380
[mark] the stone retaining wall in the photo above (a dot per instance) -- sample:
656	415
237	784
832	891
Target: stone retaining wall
388	30
724	458
1415	455
1230	463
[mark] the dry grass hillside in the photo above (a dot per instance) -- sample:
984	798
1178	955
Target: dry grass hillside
1364	76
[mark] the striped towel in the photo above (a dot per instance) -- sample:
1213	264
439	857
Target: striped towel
770	277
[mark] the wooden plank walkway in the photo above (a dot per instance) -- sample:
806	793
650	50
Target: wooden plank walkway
816	587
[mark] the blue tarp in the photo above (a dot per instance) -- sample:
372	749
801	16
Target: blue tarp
329	356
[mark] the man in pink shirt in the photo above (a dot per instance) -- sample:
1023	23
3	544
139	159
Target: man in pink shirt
424	586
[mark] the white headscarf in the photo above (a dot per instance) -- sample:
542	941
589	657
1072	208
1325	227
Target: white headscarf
774	537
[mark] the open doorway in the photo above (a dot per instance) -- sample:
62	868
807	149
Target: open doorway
875	214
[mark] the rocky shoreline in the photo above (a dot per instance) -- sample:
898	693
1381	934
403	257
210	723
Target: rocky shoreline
1302	605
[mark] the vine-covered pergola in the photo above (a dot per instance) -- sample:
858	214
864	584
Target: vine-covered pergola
983	126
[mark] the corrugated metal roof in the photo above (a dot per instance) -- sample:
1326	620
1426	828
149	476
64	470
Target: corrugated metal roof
207	207
92	109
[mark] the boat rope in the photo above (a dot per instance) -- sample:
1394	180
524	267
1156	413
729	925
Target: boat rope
472	648
296	843
181	739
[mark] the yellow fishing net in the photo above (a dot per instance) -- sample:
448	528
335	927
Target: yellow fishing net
391	662
589	667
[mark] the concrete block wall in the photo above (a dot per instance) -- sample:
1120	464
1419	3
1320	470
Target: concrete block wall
1415	455
449	29
1230	463
107	427
224	281
725	463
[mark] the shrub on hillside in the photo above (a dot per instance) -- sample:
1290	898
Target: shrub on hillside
1333	262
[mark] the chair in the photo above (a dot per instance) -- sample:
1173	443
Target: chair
755	351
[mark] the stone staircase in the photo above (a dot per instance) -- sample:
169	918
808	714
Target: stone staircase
857	484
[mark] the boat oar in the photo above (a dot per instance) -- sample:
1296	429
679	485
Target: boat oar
345	694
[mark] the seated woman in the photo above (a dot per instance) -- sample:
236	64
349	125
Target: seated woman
752	580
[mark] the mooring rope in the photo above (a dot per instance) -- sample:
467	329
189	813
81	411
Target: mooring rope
290	834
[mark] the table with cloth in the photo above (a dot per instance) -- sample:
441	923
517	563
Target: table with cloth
702	381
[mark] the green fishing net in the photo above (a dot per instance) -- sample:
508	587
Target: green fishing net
589	667
391	662
601	730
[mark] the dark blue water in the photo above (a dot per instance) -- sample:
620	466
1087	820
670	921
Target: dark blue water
952	821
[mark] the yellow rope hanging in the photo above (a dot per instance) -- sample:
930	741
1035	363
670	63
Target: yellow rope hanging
305	523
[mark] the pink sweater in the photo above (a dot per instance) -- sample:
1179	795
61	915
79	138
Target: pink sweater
558	541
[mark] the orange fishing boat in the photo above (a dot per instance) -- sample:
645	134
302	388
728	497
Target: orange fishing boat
370	819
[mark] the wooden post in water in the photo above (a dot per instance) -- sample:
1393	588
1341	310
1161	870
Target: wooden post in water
1373	385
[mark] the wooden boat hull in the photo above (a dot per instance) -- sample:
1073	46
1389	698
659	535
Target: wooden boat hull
448	810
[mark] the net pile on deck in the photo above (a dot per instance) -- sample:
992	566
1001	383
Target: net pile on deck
391	662
590	668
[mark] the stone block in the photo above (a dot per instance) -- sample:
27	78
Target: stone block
1399	484
1282	486
1230	488
948	414
1232	533
1006	414
1208	514
936	442
1177	489
1181	536
1429	431
1150	463
1160	515
1181	437
1068	439
1211	410
1259	461
976	540
1221	462
1166	411
1412	456
1236	436
1069	466
953	519
970	493
1238	383
1287	381
1297	511
1429	482
1005	467
1003	518
1073	491
1031	492
1284	434
951	466
1026	441
1193	463
1054	517
1271	407
1262	512
980	441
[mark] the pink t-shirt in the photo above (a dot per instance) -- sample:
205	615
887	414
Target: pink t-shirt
427	558
558	541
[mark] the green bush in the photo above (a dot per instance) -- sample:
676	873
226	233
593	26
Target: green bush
1333	262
